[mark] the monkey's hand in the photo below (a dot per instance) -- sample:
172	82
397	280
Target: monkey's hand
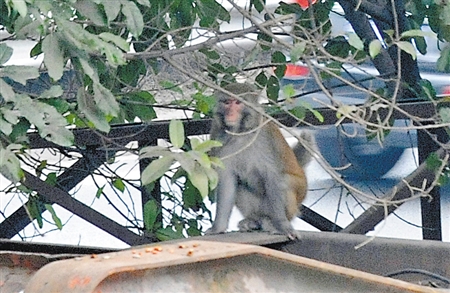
212	231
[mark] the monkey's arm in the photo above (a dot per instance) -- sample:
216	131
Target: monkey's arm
225	199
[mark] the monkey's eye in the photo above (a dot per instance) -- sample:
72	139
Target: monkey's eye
231	101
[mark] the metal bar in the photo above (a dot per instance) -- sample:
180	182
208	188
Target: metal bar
376	213
122	134
318	221
18	220
65	200
430	207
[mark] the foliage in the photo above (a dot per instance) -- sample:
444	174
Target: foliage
115	64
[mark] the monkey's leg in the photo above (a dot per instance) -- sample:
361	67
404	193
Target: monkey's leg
275	205
249	225
248	204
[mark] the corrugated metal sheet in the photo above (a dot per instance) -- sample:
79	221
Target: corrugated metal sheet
202	266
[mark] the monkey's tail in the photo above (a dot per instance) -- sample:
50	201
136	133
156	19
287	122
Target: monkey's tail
303	155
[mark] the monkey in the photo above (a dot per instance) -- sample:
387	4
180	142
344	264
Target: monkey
261	173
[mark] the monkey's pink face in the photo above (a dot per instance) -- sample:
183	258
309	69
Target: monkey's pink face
233	111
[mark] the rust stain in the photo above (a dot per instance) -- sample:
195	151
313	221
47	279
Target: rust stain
16	259
79	282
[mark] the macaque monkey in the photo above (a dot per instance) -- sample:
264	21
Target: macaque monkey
261	176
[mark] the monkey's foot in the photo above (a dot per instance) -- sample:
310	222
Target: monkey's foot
212	231
249	225
282	228
292	235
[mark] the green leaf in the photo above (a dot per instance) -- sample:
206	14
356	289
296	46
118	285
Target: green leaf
5	53
156	169
299	112
443	62
51	179
427	89
195	142
36	50
153	151
91	11
20	130
10	164
87	107
206	146
167	233
416	33
53	92
10	115
6	91
355	41
298	51
105	100
186	161
264	39
134	20
176	133
35	209
191	197
42	165
116	40
168	85
213	178
53	56
211	54
200	180
20	6
273	88
444	114
5	126
203	103
288	90
144	2
345	110
201	158
261	80
210	11
318	115
151	212
111	11
19	73
118	183
433	162
338	46
50	123
258	4
139	104
278	57
55	218
374	48
99	192
408	48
